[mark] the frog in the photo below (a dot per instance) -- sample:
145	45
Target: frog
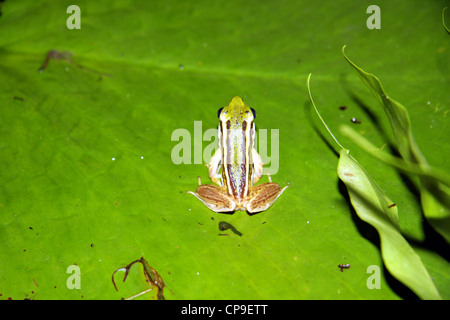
236	166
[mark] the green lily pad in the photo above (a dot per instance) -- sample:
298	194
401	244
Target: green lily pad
88	178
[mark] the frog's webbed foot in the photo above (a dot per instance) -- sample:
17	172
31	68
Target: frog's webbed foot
263	196
214	197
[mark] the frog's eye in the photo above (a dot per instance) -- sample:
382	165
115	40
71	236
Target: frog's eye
254	113
218	112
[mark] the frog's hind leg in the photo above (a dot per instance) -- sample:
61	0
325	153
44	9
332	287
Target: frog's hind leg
263	196
214	197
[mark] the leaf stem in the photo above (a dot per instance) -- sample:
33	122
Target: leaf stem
318	114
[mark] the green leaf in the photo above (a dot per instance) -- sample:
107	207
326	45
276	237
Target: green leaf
375	208
435	197
139	71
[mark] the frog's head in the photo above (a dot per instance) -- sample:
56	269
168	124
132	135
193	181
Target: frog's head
238	111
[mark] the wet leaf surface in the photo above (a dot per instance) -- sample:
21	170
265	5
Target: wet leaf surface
86	158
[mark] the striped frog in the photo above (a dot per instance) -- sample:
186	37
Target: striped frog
236	166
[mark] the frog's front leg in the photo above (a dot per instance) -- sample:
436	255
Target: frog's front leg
257	166
214	167
214	197
263	196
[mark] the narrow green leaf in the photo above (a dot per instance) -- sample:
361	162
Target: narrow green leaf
434	196
397	115
396	162
375	208
443	21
